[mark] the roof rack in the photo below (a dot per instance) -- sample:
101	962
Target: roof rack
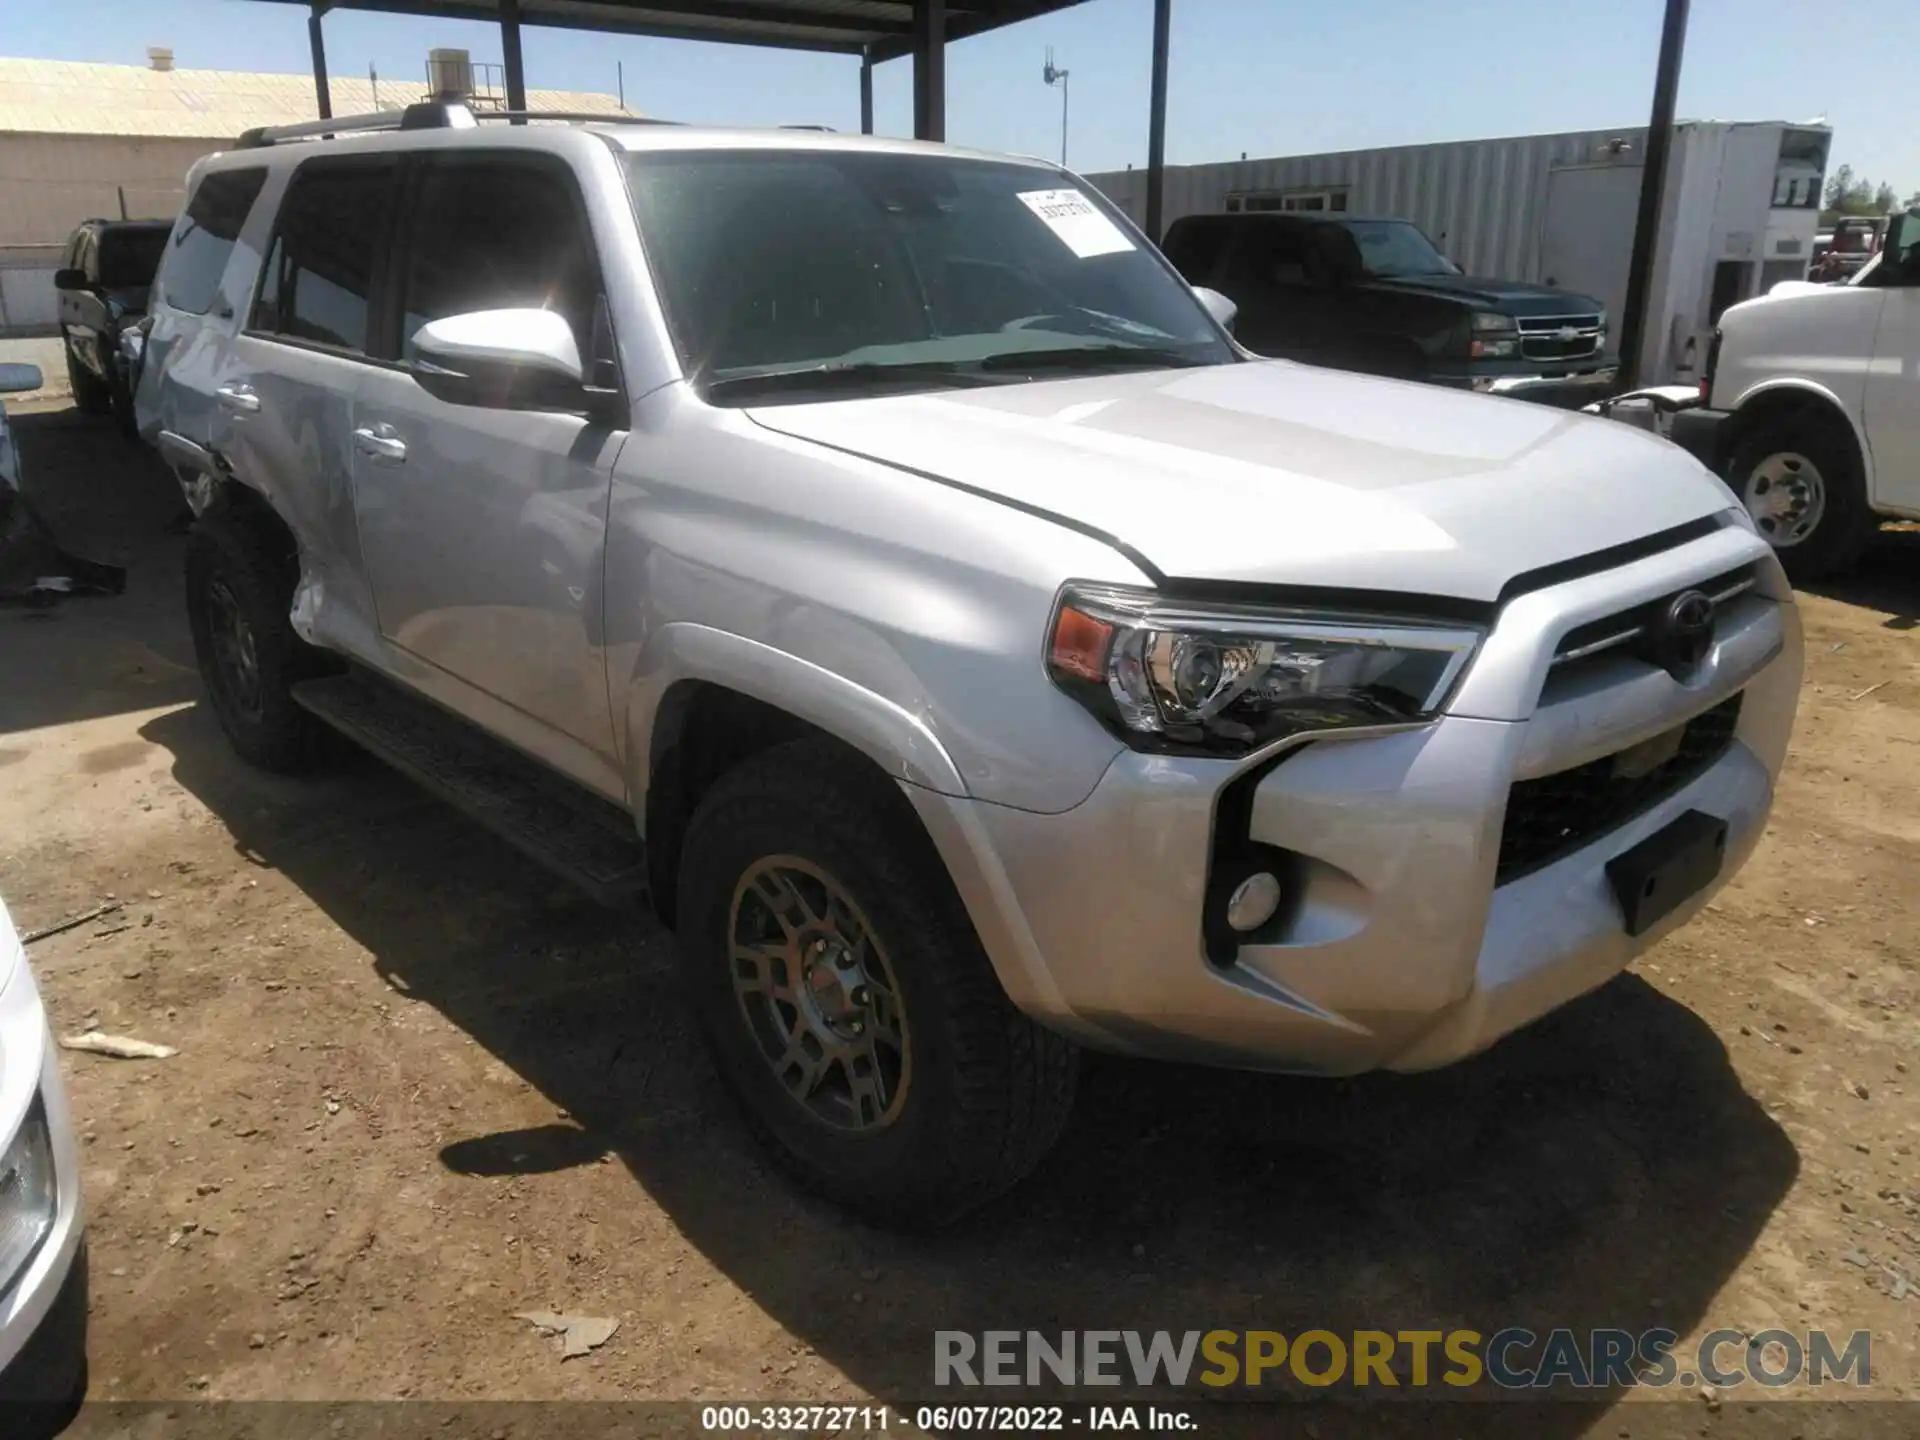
428	115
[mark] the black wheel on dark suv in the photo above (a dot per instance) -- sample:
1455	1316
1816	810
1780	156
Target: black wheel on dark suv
239	589
847	1001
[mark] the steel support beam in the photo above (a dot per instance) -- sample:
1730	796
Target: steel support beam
929	69
510	56
1653	189
866	92
1157	117
317	42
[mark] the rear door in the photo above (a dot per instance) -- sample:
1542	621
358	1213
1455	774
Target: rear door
195	310
285	397
484	530
1264	272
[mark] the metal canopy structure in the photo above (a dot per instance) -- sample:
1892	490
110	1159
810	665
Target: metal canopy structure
873	30
881	30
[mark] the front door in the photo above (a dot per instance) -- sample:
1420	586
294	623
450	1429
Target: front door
1893	382
484	530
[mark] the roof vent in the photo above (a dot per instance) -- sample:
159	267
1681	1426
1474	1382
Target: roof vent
160	57
449	75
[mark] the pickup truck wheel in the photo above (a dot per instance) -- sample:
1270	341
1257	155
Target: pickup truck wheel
238	596
847	1001
1800	481
91	395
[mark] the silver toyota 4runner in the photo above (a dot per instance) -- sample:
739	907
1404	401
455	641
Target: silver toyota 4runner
877	554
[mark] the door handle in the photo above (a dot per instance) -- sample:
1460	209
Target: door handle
239	397
381	442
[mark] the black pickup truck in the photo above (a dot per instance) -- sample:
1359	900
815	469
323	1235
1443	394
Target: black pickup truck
102	286
1378	296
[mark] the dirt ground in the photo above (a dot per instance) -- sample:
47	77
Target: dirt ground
420	1088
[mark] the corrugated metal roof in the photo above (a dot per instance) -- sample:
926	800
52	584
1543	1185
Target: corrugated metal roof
63	97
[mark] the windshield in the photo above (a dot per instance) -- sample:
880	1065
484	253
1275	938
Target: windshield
1395	247
865	263
129	257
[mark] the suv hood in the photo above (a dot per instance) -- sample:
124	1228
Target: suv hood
1509	297
1279	473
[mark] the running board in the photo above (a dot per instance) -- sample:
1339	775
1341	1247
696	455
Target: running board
577	835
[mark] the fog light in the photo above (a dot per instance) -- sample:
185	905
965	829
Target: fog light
1253	901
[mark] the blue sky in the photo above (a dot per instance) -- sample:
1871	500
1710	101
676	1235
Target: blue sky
1262	76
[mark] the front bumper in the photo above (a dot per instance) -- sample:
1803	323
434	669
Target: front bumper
1398	949
1568	388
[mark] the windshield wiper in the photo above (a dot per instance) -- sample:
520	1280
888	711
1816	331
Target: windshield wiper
1091	357
857	375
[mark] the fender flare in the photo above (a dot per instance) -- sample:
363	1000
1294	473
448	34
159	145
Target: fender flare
894	738
1795	385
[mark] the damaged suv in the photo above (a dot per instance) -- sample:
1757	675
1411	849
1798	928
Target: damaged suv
877	554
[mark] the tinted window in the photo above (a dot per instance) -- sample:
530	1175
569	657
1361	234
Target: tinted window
1270	254
318	281
204	238
491	232
128	258
1193	246
772	259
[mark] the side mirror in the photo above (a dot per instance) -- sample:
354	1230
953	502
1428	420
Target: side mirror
67	278
20	376
1218	306
501	359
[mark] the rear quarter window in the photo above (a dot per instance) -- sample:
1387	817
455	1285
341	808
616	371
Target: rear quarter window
197	256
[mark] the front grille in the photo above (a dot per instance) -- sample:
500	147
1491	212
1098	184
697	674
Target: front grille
1560	337
1628	626
1557	814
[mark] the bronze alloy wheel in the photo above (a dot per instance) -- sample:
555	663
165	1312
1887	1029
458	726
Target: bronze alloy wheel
818	995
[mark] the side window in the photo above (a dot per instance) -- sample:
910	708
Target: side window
204	238
499	232
1271	256
317	284
1193	248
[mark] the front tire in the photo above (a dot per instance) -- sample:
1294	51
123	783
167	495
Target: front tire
847	1001
239	592
1800	481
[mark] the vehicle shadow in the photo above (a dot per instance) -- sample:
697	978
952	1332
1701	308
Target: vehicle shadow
1603	1169
103	498
1885	579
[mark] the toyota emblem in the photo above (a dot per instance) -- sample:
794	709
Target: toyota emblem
1682	634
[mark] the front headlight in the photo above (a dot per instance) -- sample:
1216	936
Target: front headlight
1495	337
1227	679
29	1199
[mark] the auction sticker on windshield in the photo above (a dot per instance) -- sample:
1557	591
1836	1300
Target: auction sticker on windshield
1081	228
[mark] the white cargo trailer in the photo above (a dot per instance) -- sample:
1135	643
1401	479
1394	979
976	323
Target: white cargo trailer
1741	208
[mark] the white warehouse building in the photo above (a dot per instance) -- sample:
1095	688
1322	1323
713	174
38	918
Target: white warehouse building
1740	211
80	141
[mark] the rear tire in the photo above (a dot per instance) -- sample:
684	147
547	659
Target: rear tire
239	592
1800	479
804	863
